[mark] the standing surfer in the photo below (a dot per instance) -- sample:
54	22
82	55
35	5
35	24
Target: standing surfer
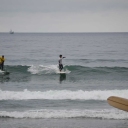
60	62
2	59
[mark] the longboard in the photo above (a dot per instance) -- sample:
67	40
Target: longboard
62	72
118	102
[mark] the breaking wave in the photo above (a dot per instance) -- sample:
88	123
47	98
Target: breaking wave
53	69
62	94
75	113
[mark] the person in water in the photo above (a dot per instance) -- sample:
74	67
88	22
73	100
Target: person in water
2	59
60	62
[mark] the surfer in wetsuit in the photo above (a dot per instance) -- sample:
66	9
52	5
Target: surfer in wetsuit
60	63
2	59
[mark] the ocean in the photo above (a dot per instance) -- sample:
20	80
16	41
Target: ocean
34	95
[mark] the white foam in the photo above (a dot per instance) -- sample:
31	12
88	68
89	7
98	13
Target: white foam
62	94
41	69
76	113
2	72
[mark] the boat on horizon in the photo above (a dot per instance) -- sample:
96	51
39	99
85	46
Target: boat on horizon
11	32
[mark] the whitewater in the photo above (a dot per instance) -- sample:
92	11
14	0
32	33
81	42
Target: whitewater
62	94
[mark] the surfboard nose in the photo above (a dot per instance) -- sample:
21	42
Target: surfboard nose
118	102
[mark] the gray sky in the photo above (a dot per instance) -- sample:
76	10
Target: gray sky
64	15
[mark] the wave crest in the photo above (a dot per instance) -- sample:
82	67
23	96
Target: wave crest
101	114
51	69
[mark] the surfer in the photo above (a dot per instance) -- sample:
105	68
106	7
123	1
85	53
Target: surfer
60	62
2	59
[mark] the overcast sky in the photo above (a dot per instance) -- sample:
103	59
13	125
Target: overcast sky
64	15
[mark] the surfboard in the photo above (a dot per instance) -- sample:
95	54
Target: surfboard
118	102
62	72
4	72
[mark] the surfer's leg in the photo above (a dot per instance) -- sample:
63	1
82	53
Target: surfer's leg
2	66
60	67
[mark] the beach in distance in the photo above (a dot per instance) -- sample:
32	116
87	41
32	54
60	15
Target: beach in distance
35	95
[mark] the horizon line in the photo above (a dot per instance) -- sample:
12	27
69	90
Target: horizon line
62	32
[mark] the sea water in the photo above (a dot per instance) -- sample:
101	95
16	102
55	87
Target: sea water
96	66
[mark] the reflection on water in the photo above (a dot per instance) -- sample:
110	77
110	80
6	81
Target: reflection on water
62	77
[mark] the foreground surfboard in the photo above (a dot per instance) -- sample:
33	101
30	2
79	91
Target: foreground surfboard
118	102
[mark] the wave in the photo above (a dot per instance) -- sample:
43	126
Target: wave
44	113
17	68
100	60
53	69
97	69
62	94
